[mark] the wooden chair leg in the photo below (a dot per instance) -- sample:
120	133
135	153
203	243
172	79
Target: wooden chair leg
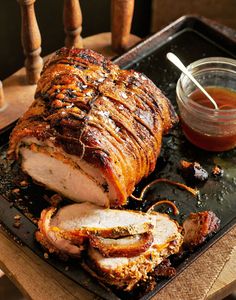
122	15
31	41
2	98
72	18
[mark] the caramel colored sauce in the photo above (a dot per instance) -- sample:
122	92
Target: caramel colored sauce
226	100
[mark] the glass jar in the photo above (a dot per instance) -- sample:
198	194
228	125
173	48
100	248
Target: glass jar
204	126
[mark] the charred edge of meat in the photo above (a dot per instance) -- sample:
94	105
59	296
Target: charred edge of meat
140	287
86	55
165	269
112	248
193	171
121	278
198	226
217	171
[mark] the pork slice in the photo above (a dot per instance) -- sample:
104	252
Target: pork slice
126	272
79	220
53	241
122	247
64	173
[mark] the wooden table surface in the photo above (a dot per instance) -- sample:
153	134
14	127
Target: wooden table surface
211	276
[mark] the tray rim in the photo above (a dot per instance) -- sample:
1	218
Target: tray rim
174	27
139	50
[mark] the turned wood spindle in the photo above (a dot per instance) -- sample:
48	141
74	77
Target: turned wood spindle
72	18
122	15
2	99
31	41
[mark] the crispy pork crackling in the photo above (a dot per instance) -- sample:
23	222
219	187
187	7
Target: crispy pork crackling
94	131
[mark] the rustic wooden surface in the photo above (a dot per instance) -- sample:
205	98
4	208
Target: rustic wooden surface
102	43
33	276
18	96
223	286
38	280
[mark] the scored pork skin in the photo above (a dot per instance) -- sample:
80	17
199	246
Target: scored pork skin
103	124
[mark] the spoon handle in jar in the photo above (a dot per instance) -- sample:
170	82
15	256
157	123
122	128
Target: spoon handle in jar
177	62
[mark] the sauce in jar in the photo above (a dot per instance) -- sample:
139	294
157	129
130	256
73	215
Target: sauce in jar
226	100
208	128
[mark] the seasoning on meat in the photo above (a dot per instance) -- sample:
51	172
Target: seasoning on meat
81	220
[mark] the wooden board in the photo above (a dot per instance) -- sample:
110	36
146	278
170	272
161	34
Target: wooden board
225	283
18	95
35	278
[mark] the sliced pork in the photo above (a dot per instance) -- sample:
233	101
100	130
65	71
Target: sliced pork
126	272
78	221
128	246
94	131
130	249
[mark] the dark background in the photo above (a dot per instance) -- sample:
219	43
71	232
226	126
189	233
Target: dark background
149	16
96	19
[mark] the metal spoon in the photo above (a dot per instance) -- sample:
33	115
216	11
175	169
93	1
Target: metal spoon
177	62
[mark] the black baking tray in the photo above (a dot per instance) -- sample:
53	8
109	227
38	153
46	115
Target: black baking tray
191	38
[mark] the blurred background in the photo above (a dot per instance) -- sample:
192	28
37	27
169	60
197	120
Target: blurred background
96	19
149	16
